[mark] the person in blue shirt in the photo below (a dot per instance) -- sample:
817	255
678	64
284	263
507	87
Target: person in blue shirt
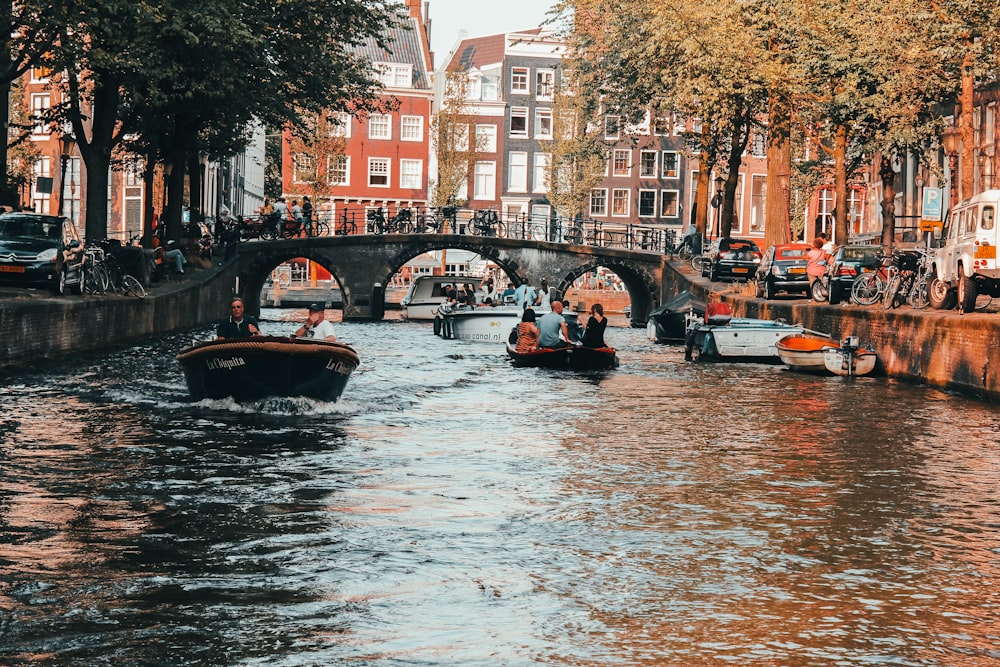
524	295
550	326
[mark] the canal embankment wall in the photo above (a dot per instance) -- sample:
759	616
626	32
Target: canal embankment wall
39	327
943	349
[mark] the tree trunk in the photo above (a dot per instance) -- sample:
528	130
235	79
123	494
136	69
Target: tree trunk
777	225
96	154
175	201
841	234
148	173
888	201
966	102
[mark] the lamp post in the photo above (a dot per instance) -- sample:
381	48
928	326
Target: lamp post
951	140
66	144
717	204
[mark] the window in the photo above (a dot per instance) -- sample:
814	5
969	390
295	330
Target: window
622	162
647	203
491	88
485	181
304	168
671	164
40	74
395	75
855	207
132	173
378	172
519	80
543	123
661	126
40	200
486	138
619	202
669	207
545	80
612	127
540	178
598	202
338	170
519	122
647	164
40	103
758	201
462	137
411	128
758	147
411	174
341	127
517	172
380	126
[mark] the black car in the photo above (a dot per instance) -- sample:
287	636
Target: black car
731	258
783	269
849	262
40	249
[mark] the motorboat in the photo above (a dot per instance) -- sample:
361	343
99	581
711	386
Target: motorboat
425	296
849	358
804	352
261	366
574	357
480	323
736	339
668	322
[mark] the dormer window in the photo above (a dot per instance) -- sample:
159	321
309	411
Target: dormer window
395	75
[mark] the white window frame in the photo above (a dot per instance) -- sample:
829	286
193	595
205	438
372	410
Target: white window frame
411	174
40	103
545	84
342	128
517	171
385	169
303	168
541	116
377	129
654	173
519	112
486	138
666	159
395	75
520	80
621	155
599	202
621	195
665	197
336	164
612	127
485	181
411	128
540	175
653	212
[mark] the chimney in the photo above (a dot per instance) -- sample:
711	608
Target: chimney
414	7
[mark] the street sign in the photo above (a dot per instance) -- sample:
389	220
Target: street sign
931	210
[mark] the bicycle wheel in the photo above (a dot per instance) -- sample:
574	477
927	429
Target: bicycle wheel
321	229
917	297
575	235
131	285
685	253
97	279
867	289
891	289
696	262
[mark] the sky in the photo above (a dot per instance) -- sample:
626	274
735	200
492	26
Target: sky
480	18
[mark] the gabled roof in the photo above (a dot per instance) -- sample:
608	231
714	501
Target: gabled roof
406	48
481	51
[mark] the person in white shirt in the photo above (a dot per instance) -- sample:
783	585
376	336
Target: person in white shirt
316	327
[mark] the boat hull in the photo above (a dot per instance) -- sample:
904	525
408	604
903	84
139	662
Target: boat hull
849	362
576	358
484	324
803	353
738	340
668	323
263	366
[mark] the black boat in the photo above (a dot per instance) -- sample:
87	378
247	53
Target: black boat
668	323
574	357
262	366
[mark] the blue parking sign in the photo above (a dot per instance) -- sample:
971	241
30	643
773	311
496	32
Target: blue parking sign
931	209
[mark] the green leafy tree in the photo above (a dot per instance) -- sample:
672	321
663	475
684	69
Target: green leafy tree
454	140
579	150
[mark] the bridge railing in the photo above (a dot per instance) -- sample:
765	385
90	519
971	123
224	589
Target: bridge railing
492	223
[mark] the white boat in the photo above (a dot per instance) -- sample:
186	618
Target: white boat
804	352
739	339
849	359
425	295
483	323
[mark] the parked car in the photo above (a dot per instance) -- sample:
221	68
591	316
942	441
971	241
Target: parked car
40	249
965	261
849	262
731	258
782	269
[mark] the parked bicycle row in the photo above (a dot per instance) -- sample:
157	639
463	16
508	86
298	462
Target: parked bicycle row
449	220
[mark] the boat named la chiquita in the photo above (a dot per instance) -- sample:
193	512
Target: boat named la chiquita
480	323
815	354
576	357
262	366
727	338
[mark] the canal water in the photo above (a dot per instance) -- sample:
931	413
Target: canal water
453	510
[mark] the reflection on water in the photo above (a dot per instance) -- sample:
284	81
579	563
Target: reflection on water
453	510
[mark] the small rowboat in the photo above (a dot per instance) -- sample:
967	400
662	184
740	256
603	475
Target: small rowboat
849	359
262	366
574	357
804	353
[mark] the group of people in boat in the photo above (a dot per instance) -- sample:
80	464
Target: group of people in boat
241	325
552	331
523	296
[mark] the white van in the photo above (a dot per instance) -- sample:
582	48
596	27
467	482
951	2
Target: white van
965	261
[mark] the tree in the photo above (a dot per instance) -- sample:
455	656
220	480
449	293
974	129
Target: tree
579	150
315	148
456	144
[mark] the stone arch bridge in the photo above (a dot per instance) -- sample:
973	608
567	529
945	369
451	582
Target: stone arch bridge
362	264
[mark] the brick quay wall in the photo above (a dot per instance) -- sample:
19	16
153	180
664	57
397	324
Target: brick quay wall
38	327
942	349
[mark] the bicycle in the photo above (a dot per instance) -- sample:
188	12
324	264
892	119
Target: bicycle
868	288
96	275
346	227
314	228
902	281
376	221
120	281
485	222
